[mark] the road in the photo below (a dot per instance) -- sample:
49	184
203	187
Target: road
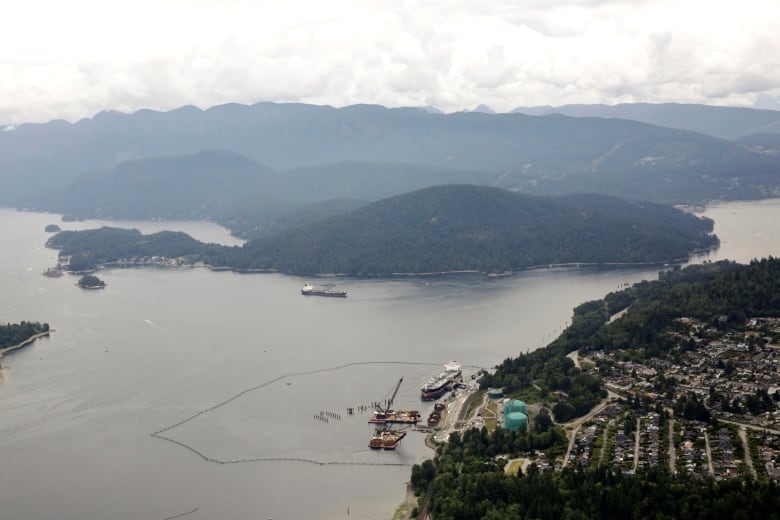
748	458
637	439
672	454
709	453
576	423
604	440
455	410
575	356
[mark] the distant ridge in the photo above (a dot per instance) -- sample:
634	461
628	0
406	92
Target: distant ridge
551	154
722	122
483	109
176	187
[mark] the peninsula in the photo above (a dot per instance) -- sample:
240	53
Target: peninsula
444	229
14	336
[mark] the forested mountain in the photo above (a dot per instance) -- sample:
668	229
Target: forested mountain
183	187
370	181
722	122
545	155
439	229
256	217
451	228
245	196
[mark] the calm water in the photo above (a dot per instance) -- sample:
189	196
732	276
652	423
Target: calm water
158	346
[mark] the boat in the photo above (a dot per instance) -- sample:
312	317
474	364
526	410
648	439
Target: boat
309	290
386	439
392	438
376	441
435	387
438	385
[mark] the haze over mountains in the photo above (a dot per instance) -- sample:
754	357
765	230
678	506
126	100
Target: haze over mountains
722	122
201	163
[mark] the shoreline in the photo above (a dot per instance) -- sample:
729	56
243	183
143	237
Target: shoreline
428	274
28	341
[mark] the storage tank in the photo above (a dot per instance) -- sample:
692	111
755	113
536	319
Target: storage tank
516	421
495	393
514	406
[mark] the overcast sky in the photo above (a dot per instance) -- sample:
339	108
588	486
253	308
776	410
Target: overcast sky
71	59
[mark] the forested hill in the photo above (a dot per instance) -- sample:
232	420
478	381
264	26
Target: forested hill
723	294
182	187
454	228
439	229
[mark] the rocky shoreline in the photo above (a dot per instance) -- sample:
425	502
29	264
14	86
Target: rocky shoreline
28	341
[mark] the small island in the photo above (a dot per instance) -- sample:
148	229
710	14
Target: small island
89	281
52	228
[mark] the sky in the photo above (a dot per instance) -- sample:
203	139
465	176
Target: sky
72	59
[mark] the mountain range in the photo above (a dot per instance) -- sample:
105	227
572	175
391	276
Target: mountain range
298	154
729	123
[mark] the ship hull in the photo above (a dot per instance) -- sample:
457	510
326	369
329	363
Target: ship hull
330	294
432	394
439	385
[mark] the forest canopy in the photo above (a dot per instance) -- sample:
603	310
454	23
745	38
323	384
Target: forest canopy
439	229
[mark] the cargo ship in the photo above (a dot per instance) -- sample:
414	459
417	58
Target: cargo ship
309	290
438	385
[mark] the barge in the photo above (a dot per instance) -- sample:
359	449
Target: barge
399	416
386	439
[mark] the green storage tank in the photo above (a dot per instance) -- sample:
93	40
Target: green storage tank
514	406
495	393
516	421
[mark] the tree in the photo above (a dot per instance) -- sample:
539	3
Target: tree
542	422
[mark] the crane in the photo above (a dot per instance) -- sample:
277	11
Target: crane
392	397
380	415
384	414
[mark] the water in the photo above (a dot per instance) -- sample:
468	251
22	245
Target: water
158	346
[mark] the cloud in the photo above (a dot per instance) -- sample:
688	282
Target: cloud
85	56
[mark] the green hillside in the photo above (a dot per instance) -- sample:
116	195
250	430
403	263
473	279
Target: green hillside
181	187
439	229
454	228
